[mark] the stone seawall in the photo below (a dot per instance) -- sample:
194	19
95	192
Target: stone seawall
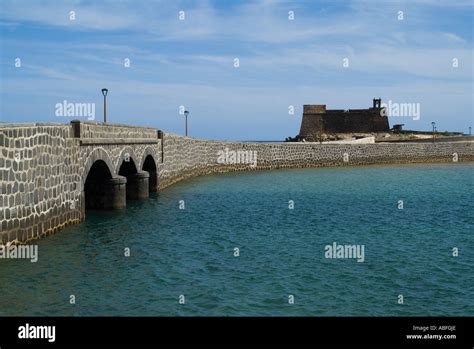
43	167
188	157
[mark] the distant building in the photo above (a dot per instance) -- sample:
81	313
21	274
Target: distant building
317	120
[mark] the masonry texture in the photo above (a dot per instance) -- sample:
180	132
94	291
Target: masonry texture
50	173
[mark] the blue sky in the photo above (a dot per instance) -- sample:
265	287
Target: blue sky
191	62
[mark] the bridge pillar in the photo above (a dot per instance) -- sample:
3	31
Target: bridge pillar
137	188
108	194
115	193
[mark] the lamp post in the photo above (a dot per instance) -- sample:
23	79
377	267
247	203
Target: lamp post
186	113
433	124
104	93
469	130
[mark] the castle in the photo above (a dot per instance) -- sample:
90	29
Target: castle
318	122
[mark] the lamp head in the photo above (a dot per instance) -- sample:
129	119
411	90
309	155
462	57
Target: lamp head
186	113
104	91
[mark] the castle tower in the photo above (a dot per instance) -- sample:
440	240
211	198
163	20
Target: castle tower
377	103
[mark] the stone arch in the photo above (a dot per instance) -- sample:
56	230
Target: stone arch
101	187
149	151
97	154
148	163
128	165
123	156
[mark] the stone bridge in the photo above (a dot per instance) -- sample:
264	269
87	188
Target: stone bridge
116	163
51	173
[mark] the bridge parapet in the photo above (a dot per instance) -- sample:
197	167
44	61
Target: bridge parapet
94	130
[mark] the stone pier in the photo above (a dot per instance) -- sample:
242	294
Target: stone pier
137	186
115	194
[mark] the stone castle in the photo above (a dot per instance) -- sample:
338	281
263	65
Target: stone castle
318	122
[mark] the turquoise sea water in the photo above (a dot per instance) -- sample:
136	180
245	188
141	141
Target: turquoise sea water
190	252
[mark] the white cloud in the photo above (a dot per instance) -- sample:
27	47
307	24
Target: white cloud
190	62
454	37
101	16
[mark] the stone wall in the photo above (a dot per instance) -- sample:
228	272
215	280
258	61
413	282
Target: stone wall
39	176
43	167
187	157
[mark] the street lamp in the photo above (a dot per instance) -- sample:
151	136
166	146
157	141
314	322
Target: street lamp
433	124
186	113
104	93
469	130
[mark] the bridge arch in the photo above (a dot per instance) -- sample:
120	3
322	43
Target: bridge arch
95	155
148	163
128	166
127	155
102	188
